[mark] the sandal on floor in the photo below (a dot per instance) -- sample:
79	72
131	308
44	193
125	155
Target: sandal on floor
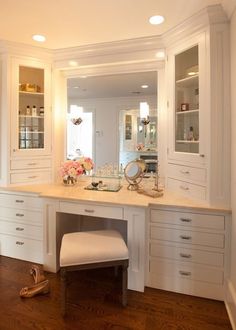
37	274
40	288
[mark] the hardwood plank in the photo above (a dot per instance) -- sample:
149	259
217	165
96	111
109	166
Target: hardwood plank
94	303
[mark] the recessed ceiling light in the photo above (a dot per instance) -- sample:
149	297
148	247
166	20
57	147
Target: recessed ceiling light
38	37
144	86
160	54
157	19
73	63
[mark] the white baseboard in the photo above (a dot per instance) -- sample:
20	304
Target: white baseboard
230	303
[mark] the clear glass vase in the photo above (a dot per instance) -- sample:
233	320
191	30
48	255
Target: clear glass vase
69	181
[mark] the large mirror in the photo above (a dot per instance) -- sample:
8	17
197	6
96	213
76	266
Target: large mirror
112	127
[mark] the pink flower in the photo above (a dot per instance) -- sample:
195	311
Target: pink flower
72	168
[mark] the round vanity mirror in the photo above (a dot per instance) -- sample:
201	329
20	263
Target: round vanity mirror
134	172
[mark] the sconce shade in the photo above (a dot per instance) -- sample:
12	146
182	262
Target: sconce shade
75	114
144	113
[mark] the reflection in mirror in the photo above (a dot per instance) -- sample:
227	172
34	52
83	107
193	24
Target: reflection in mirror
114	102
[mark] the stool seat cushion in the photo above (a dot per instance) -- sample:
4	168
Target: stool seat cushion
91	247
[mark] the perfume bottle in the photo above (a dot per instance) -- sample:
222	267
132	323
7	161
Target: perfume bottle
191	134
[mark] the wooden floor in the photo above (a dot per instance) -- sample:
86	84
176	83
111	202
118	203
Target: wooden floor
93	303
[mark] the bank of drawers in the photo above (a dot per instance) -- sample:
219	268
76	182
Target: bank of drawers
187	181
186	247
21	227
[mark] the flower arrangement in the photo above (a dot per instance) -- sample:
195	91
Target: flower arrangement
140	146
71	169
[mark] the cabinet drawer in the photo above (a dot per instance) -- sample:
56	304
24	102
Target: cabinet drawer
187	255
21	248
187	173
23	230
188	219
187	236
23	216
30	163
30	177
20	202
92	210
187	189
186	271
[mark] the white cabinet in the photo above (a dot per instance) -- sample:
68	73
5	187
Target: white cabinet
26	109
21	227
197	75
188	251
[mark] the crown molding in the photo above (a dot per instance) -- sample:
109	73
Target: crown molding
138	49
19	49
200	21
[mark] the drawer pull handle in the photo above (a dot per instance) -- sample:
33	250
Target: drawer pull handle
187	256
185	273
184	187
184	172
185	237
32	177
19	243
88	211
19	214
185	219
202	155
30	164
19	228
19	201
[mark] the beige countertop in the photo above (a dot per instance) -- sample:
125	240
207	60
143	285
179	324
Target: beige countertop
123	197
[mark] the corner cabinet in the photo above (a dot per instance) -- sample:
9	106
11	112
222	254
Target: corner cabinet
30	101
198	116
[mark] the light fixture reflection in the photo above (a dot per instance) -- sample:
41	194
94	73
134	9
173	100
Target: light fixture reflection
75	114
144	113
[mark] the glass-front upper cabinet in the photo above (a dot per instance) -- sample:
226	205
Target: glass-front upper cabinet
31	108
187	101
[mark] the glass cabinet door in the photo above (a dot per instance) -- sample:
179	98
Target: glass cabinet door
187	101
31	125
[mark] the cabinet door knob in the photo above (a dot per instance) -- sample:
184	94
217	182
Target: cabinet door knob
184	188
19	228
182	272
88	211
185	219
184	255
185	237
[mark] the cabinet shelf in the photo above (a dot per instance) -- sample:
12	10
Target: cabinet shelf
31	93
29	116
187	141
188	81
187	112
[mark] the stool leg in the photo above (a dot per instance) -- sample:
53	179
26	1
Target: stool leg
124	284
63	291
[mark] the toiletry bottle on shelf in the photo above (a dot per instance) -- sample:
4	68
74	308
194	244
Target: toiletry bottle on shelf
185	135
28	111
34	111
191	134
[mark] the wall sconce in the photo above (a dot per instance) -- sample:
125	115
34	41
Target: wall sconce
144	113
75	114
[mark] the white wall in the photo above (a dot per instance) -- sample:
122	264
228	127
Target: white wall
107	123
231	294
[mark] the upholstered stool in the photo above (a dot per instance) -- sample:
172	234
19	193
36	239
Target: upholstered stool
93	249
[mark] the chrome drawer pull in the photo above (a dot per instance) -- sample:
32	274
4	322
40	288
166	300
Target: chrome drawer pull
32	164
19	201
185	219
32	177
184	172
19	228
184	188
88	211
181	272
185	237
19	243
202	155
187	256
19	215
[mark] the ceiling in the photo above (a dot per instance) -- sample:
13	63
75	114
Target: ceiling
73	23
120	85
